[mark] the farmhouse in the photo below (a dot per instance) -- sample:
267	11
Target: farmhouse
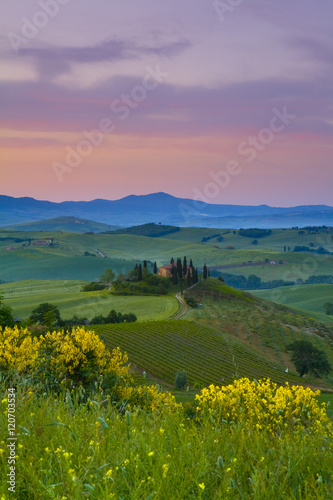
41	242
165	271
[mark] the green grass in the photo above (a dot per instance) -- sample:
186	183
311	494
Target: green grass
308	299
69	451
24	296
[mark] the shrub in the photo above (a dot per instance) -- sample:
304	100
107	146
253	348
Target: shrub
92	287
180	379
62	359
191	302
263	405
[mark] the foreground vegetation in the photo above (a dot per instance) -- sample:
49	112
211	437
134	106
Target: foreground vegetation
69	451
85	430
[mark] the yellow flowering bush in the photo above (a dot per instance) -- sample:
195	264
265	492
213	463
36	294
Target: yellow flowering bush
148	397
18	349
75	357
262	405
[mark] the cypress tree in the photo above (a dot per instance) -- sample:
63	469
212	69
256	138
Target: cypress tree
155	268
189	279
184	266
196	276
172	260
145	264
140	273
179	268
204	272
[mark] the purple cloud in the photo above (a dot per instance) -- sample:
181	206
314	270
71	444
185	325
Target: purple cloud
52	61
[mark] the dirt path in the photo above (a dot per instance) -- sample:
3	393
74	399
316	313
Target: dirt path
183	306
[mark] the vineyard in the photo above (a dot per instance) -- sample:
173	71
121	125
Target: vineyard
233	334
161	348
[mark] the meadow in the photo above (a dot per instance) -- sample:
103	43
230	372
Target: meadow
24	296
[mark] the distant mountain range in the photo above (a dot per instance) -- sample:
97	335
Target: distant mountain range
160	207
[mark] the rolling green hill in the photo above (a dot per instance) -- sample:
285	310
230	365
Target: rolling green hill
233	334
24	296
308	299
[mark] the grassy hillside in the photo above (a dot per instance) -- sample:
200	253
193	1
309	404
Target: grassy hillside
265	326
275	241
24	296
232	334
307	298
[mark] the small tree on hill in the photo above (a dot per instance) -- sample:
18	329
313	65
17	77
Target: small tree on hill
328	308
45	314
308	359
155	268
205	273
180	379
108	276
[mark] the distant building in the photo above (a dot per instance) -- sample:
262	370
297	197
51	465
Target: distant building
41	243
165	271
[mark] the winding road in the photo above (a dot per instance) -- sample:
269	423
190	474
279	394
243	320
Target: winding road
183	306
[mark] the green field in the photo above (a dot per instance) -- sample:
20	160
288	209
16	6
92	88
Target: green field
308	299
24	296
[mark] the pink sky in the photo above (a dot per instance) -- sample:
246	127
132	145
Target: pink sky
174	92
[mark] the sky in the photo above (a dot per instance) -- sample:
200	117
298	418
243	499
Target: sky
226	101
